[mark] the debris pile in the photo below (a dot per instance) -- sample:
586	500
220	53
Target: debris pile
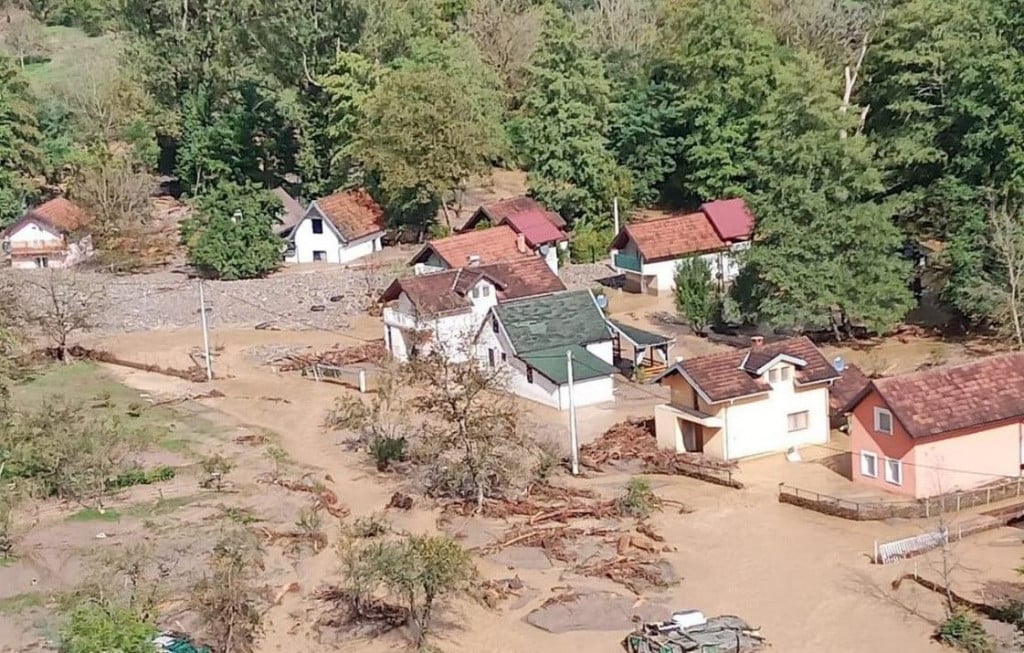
316	539
326	497
372	352
358	616
690	631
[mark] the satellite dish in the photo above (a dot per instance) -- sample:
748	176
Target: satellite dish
544	250
602	301
839	364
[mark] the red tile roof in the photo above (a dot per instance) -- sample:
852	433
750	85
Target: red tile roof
672	237
956	397
442	292
725	376
731	219
353	213
62	214
847	389
497	212
535	227
491	245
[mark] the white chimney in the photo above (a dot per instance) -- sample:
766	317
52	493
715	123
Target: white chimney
473	260
756	341
521	243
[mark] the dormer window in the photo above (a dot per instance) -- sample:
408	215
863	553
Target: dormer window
779	374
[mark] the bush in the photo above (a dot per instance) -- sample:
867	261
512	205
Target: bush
696	296
638	499
387	450
214	469
964	632
97	628
141	477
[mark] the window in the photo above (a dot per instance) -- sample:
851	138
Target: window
504	357
784	372
868	464
773	375
318	225
485	291
475	293
529	375
319	255
777	374
798	421
42	262
490	358
883	421
893	471
494	324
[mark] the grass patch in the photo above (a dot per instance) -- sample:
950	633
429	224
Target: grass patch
176	445
69	48
92	514
8	561
159	507
22	602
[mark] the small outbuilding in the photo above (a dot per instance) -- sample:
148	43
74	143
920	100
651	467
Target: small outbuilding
339	228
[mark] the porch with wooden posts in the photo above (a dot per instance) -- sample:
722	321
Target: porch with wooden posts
650	350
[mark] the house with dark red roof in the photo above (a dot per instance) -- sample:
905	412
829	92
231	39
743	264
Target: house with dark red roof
339	228
49	235
941	430
770	397
543	230
647	251
445	309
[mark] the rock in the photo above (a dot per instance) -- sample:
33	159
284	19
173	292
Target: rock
318	308
336	298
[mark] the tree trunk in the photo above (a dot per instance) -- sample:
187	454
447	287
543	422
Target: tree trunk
447	215
850	75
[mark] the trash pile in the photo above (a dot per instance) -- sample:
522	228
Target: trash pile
373	352
689	630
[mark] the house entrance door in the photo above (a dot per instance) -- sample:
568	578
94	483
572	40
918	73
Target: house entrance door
689	435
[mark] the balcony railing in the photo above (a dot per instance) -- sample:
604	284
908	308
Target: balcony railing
627	262
25	247
399	319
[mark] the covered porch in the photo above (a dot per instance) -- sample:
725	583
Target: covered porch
687	430
649	351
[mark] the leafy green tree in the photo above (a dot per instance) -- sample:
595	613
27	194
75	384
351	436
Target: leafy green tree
408	136
95	627
590	243
19	141
390	28
697	297
824	243
560	132
347	86
232	235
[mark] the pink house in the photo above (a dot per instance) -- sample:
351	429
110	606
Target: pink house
942	430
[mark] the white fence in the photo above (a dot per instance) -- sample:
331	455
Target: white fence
887	552
350	375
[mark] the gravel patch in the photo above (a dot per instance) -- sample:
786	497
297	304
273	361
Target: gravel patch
585	275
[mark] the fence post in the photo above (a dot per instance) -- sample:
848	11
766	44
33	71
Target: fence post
958	503
362	381
988	495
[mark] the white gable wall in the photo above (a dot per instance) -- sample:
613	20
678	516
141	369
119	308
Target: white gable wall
37	235
336	250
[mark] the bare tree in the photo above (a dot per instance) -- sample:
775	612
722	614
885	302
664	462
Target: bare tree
1006	220
227	598
506	33
24	39
102	97
69	304
626	26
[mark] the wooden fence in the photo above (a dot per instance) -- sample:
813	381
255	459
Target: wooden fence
707	473
914	509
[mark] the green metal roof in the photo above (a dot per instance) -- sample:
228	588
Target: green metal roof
553	364
556	320
639	336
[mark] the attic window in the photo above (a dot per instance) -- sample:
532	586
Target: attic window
529	375
318	225
485	290
494	324
883	421
475	293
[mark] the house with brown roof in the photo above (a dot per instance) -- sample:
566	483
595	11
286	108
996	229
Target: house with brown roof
543	230
770	397
48	236
647	252
472	248
445	309
945	429
339	228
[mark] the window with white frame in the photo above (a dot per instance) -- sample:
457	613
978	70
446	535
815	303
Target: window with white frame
883	421
893	471
475	292
784	372
485	290
868	464
798	421
774	375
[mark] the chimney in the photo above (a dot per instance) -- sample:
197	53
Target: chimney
756	341
679	359
521	243
473	260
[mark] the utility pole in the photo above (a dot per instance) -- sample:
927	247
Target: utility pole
574	441
615	214
206	333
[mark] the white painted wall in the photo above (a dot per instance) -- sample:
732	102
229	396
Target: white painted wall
760	425
551	258
603	350
33	234
724	265
453	334
337	251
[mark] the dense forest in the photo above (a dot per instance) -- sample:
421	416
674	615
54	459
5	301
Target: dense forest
852	127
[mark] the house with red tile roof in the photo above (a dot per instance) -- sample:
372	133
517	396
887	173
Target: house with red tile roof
770	397
339	228
445	309
941	430
48	236
647	252
543	230
472	248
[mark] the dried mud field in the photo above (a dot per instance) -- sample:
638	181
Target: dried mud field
804	578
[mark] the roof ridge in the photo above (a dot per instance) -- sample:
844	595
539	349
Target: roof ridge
948	367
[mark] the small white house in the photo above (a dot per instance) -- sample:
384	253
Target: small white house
48	236
647	252
339	228
443	310
531	338
768	398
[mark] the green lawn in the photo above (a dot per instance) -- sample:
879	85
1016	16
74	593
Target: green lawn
69	49
21	602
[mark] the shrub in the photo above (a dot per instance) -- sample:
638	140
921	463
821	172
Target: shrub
371	526
387	450
97	628
964	632
139	476
214	469
638	499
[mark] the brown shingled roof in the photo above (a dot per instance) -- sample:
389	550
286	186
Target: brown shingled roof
847	389
443	292
721	377
500	210
491	245
61	214
671	237
955	397
353	213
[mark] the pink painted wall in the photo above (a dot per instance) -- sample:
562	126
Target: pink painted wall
965	459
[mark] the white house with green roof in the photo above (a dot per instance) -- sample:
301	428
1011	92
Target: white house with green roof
530	337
